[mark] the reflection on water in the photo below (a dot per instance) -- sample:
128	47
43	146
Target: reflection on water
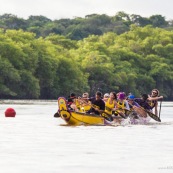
36	142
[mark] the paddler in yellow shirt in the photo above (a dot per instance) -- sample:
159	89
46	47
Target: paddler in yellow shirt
111	103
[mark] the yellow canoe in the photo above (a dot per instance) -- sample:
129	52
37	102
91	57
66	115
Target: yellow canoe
78	118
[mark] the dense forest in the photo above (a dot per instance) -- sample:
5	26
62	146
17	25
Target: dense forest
79	28
44	59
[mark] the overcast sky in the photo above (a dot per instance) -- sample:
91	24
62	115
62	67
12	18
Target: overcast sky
56	9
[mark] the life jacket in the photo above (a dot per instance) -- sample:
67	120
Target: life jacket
109	107
85	107
121	105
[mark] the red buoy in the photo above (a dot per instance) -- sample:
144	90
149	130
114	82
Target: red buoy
10	112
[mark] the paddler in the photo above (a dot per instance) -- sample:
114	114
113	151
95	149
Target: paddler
97	104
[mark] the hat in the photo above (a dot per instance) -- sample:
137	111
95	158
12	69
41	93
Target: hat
106	95
86	95
131	97
121	96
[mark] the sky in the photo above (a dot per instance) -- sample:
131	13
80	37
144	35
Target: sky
57	9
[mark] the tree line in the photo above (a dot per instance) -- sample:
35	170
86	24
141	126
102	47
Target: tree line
79	28
45	67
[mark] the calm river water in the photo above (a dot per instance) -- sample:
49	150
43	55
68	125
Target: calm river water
36	142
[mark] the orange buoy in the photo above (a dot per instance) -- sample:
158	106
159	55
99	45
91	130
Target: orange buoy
10	112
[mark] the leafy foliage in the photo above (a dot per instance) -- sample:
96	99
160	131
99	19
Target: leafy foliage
40	58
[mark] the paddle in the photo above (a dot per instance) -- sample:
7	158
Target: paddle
160	108
155	117
120	113
103	113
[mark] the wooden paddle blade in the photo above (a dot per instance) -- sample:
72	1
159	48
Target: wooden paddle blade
120	113
107	116
128	112
155	117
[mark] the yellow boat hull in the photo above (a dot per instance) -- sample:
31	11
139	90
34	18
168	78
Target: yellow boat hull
78	118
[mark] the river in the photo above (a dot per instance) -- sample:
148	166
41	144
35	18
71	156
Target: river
36	142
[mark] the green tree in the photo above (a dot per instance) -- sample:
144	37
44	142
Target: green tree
158	21
9	77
